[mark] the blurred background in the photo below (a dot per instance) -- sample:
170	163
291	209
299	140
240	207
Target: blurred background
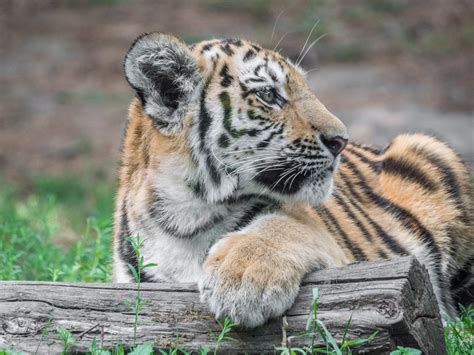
382	66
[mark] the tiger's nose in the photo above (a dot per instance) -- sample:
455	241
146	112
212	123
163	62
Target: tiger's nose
334	144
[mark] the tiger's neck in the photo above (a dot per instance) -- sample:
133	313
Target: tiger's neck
182	205
209	179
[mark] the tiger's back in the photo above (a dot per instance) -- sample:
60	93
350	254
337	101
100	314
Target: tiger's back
414	197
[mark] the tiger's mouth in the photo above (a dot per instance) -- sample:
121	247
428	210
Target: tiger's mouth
288	177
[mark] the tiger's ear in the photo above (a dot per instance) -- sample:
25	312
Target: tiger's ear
164	75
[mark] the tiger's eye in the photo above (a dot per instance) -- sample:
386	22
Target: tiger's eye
268	95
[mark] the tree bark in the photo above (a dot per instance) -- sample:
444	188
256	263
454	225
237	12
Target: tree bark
394	298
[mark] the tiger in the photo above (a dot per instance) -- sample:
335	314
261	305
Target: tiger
236	177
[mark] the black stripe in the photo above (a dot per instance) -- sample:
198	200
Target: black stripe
157	212
205	118
364	231
330	221
247	197
253	132
353	217
406	219
223	140
382	254
266	142
253	116
226	77
227	120
386	238
255	80
236	42
141	95
199	189
408	171
125	249
206	47
245	90
257	48
213	171
375	165
205	121
249	55
215	58
368	148
257	209
450	182
272	74
227	49
257	69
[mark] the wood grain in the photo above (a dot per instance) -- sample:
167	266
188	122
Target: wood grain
394	298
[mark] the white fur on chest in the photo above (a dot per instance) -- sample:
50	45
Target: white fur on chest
180	259
177	260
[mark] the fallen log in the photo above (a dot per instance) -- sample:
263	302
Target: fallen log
394	298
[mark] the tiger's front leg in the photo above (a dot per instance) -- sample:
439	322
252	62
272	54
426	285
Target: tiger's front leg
255	274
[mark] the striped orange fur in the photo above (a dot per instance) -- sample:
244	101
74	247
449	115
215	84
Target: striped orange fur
237	178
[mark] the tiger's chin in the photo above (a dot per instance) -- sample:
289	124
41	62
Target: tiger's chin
313	193
308	190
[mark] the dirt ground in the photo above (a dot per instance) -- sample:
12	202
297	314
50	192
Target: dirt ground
383	67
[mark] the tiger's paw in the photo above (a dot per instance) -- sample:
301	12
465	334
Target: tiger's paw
247	282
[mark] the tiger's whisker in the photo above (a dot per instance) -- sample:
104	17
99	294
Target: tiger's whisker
306	42
310	46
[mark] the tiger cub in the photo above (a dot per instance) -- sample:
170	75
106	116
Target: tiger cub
237	177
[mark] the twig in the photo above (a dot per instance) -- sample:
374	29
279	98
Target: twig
101	336
87	331
284	324
42	329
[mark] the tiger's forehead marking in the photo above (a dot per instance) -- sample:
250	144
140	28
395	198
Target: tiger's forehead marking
260	71
255	67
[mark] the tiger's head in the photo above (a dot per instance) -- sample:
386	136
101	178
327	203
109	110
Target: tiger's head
247	115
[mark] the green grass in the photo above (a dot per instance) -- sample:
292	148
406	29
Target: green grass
316	329
459	333
58	228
